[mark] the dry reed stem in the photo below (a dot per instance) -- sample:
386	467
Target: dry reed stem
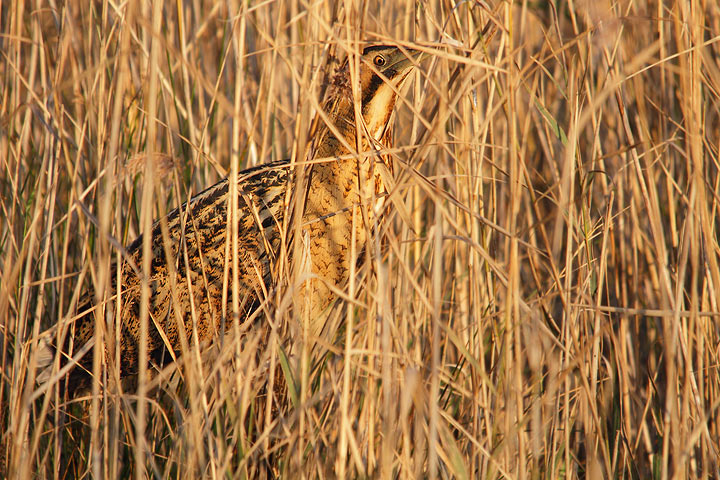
540	299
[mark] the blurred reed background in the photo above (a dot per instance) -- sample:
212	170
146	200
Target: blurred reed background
546	307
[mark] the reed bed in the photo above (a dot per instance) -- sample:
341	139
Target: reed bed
541	296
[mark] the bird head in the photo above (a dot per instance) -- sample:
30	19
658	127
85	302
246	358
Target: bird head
383	73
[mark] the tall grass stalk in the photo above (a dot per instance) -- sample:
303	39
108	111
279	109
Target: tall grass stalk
539	300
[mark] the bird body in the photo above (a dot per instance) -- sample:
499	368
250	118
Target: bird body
191	258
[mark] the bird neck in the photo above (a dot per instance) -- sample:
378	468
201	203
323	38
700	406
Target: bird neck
339	126
339	108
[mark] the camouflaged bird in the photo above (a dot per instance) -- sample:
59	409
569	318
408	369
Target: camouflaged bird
337	181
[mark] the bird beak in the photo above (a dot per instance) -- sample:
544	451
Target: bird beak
410	59
404	65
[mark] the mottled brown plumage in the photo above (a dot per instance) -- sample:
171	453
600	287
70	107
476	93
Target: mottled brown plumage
333	188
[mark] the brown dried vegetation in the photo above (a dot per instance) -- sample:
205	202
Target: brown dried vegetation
540	299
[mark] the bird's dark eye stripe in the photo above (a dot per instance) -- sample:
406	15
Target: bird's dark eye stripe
375	83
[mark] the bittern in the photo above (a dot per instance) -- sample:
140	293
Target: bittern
189	260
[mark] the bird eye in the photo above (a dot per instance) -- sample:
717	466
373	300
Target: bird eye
379	60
